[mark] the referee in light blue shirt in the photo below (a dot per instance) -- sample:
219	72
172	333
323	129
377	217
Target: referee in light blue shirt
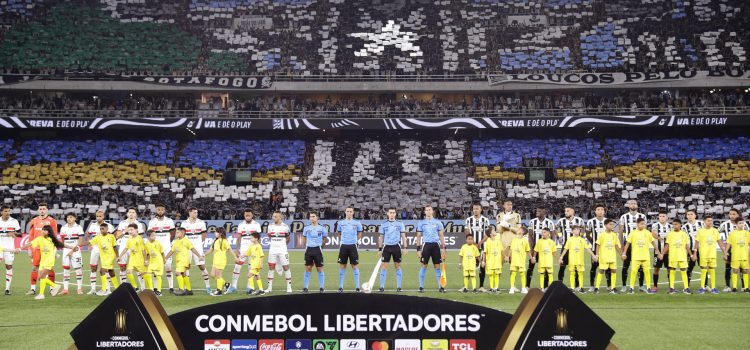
392	236
313	240
432	233
350	231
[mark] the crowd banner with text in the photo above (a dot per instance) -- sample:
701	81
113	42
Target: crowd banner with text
607	79
557	319
222	81
491	122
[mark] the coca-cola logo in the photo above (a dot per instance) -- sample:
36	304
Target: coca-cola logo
271	344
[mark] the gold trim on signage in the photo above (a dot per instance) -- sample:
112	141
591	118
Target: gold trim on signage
161	320
520	319
612	346
72	347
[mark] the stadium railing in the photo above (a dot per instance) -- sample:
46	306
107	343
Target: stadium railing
216	113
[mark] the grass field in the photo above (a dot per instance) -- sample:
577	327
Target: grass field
640	321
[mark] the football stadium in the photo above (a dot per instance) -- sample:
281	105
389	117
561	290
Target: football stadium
347	174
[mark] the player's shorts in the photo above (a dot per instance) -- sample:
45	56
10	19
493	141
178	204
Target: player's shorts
138	268
607	265
155	269
219	266
708	262
278	258
254	271
494	271
470	273
573	268
545	269
431	251
123	261
36	257
392	251
741	264
637	264
94	257
314	256
678	264
197	260
518	268
8	258
181	268
47	267
348	254
74	261
565	259
659	263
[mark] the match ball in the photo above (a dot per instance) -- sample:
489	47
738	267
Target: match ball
366	287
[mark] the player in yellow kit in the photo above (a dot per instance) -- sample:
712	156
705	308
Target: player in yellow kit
181	248
106	242
737	244
255	254
155	262
544	254
706	240
136	251
677	246
469	254
519	251
608	244
640	239
575	247
219	248
47	244
494	256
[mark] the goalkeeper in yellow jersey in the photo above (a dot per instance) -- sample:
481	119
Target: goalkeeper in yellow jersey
575	247
677	245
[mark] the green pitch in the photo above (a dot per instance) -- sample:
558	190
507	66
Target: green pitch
640	321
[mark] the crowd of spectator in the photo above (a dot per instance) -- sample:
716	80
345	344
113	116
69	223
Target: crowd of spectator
593	103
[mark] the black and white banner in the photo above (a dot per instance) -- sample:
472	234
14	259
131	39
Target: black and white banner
232	82
322	124
594	79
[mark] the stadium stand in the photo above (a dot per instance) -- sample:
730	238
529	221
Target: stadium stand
327	175
310	38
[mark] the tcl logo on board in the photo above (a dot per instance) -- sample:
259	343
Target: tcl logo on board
463	344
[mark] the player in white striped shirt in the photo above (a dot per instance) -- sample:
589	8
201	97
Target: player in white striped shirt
72	234
536	226
691	226
564	232
9	229
724	230
164	229
660	229
245	231
628	223
477	226
594	227
92	231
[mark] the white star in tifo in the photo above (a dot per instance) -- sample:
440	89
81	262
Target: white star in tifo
389	35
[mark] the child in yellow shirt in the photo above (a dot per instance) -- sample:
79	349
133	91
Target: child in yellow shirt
469	257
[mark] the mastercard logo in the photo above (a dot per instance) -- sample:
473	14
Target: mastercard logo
380	345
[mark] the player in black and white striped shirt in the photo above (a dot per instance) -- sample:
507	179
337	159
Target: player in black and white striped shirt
691	226
660	229
628	223
595	226
536	225
477	225
724	230
564	232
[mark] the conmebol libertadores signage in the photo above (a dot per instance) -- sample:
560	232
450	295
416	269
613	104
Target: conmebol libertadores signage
330	321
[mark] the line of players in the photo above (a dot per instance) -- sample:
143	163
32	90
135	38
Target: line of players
163	236
694	242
